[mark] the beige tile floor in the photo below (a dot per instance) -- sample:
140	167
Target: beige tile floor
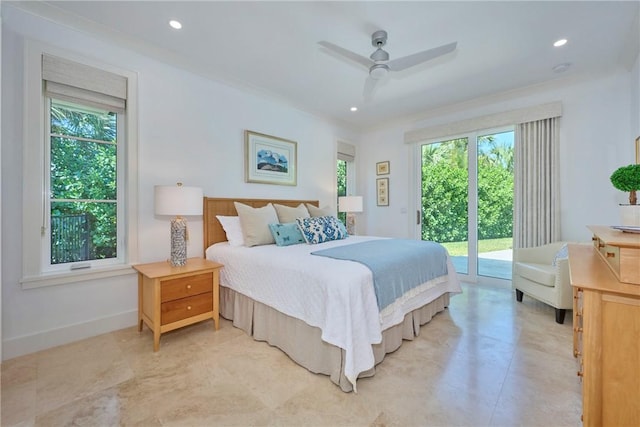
487	360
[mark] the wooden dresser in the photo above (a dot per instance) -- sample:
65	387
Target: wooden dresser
606	320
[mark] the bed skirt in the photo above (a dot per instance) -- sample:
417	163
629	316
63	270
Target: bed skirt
303	343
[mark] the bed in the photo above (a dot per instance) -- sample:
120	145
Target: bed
326	320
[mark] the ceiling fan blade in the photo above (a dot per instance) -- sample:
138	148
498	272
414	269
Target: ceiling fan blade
405	62
369	88
347	54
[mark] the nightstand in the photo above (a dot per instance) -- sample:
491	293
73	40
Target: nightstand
172	297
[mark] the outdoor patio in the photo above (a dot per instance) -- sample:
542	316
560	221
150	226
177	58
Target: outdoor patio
490	264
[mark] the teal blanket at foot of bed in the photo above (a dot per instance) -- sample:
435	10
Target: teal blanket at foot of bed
398	265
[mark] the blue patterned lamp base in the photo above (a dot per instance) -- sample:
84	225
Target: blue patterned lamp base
178	242
351	224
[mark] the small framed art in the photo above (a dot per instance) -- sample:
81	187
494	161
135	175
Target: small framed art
269	159
382	168
382	191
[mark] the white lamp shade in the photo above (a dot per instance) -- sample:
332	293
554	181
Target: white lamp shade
177	200
350	204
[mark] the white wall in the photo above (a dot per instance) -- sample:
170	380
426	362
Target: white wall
190	130
595	140
0	186
635	99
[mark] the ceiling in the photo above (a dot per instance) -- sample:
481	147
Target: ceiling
272	47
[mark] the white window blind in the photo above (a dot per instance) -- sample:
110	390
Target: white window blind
71	81
346	152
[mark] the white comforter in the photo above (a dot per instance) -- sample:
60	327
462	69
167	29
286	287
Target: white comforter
334	295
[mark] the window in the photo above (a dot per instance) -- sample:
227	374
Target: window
83	203
79	196
345	181
341	168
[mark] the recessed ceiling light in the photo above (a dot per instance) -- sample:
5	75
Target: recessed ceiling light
175	24
560	68
560	42
354	108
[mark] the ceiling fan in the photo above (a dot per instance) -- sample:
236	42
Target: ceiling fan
379	64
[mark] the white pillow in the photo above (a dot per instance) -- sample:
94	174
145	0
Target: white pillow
288	214
231	226
316	212
255	223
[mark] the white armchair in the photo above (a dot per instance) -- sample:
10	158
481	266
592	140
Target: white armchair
535	275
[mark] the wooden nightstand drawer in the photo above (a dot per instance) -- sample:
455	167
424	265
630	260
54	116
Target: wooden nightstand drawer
186	286
184	308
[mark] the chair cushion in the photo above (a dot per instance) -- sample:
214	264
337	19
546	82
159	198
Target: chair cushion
543	274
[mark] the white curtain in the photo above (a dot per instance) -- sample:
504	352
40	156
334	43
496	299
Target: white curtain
536	206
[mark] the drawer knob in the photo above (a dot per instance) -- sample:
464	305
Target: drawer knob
188	286
577	329
611	255
594	238
580	374
576	353
601	245
188	307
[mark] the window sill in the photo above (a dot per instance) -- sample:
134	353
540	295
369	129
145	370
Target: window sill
32	282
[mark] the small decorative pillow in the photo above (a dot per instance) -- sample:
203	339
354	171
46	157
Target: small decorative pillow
288	214
286	234
255	223
563	253
316	212
321	229
231	226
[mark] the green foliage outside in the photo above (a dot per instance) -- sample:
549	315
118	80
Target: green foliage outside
342	185
83	168
487	245
445	191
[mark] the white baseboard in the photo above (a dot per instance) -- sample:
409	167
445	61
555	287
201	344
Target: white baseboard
27	344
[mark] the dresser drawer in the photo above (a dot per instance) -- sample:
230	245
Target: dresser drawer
183	308
620	251
611	255
186	286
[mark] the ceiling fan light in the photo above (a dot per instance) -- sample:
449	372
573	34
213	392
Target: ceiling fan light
378	71
379	55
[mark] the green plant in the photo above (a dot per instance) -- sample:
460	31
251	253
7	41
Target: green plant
627	178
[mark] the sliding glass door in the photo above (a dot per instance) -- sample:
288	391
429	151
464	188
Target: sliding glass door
444	198
466	201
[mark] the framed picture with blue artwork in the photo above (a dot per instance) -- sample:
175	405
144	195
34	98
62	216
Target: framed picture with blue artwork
269	159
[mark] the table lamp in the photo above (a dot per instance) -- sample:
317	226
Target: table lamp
350	205
178	201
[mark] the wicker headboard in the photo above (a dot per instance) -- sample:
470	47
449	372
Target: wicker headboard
213	232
